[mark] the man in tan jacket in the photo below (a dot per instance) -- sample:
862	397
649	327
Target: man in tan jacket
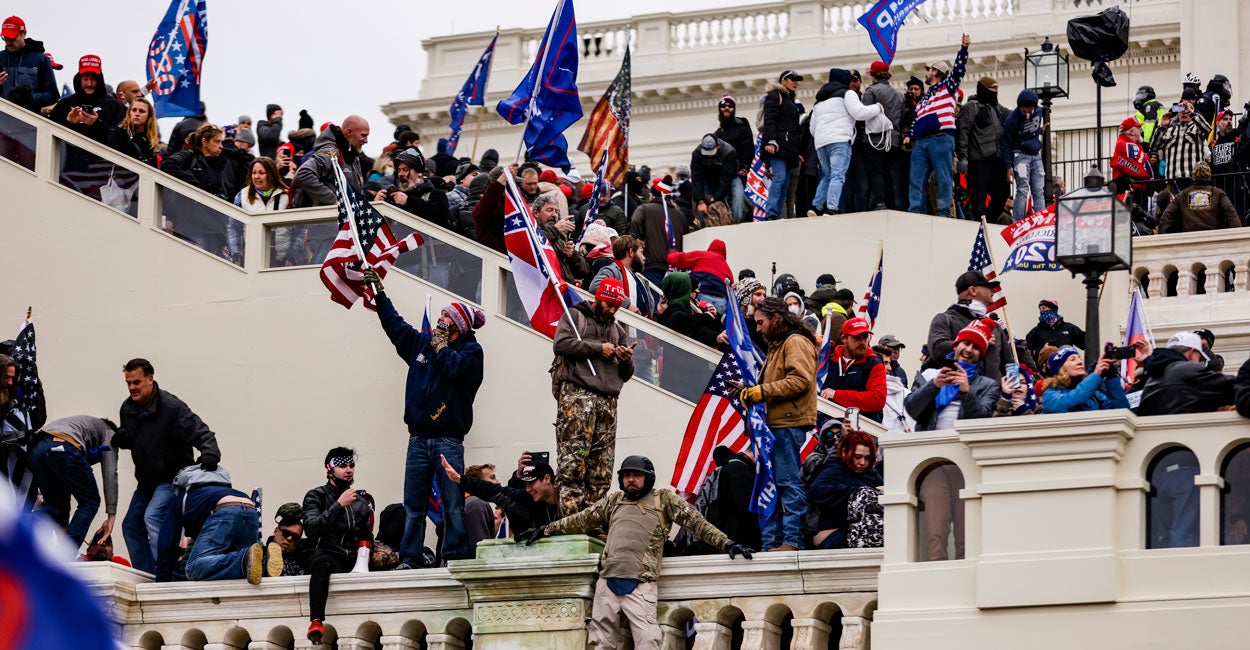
788	390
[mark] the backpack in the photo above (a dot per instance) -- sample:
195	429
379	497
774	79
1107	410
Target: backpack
884	128
864	525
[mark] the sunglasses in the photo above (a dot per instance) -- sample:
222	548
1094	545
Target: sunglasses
287	534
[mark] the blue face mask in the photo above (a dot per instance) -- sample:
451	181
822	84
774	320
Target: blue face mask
1048	316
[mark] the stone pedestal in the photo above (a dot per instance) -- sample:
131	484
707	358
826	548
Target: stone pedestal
305	644
711	636
396	642
810	634
442	642
854	633
262	645
672	638
530	597
352	643
760	635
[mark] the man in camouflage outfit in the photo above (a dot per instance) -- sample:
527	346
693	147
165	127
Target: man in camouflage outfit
592	362
638	519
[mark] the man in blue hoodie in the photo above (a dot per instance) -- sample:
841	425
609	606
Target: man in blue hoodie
1022	151
445	369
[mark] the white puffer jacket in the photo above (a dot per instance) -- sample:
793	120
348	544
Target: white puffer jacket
833	120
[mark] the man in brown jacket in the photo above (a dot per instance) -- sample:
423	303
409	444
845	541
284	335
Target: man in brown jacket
1200	206
788	390
591	365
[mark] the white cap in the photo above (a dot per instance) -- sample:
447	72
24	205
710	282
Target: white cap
573	176
1188	340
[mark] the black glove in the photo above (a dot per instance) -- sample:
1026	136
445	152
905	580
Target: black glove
208	463
734	549
22	96
532	535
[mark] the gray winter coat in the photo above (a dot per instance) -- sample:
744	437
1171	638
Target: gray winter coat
891	100
980	129
314	180
977	403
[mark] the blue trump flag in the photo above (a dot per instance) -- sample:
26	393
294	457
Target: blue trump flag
547	100
764	491
176	58
434	506
473	93
883	21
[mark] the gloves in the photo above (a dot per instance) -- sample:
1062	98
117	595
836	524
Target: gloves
734	549
208	463
962	166
371	277
532	535
22	96
751	395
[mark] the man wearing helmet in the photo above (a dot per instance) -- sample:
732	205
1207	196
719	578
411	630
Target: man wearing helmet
638	519
1148	112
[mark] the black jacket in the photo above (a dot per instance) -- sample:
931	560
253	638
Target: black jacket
136	146
222	176
160	436
522	510
185	127
1174	385
739	134
1241	390
107	109
945	327
1060	334
830	492
331	527
429	204
269	136
781	124
717	171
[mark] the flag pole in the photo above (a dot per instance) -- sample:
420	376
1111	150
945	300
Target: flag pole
538	80
989	250
477	132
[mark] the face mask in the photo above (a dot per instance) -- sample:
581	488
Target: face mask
796	310
1048	316
977	307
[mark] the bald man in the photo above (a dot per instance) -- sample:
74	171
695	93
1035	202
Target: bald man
128	91
314	180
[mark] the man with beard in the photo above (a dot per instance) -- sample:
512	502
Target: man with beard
628	259
593	361
415	193
338	519
1224	163
638	519
559	231
315	178
856	376
974	293
738	133
90	111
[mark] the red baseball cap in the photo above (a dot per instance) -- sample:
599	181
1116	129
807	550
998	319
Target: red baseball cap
55	65
1129	123
879	67
549	176
12	27
855	327
90	63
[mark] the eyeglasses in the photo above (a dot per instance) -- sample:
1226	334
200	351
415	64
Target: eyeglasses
287	534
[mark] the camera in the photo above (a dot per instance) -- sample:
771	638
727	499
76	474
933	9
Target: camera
1110	351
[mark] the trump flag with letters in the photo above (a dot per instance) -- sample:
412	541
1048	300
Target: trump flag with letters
176	58
1032	242
883	21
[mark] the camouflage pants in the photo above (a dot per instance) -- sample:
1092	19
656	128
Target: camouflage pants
585	446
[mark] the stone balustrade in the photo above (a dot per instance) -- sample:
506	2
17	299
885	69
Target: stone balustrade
510	596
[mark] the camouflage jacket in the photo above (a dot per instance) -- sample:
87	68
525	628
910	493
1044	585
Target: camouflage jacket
670	509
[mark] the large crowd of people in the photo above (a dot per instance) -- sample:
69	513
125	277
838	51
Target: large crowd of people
858	148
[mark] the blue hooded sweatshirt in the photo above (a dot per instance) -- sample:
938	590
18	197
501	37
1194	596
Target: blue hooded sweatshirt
1022	132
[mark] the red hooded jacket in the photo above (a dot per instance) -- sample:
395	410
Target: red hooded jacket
711	261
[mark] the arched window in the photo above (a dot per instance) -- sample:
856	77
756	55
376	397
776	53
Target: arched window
940	514
1172	506
1235	497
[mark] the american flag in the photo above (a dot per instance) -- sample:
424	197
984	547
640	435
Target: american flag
342	271
176	58
716	420
28	414
871	305
600	188
981	261
608	126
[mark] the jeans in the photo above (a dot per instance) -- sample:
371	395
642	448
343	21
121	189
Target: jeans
933	154
1174	507
1030	179
986	181
834	157
785	525
224	539
422	466
737	200
778	190
142	526
60	470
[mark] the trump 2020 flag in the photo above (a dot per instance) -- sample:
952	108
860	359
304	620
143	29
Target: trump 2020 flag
1032	242
473	93
756	190
535	268
547	99
883	21
764	491
176	58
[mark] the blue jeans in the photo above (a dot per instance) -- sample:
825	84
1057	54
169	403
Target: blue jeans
934	154
778	189
142	526
421	467
1030	179
737	200
1174	508
61	471
785	526
218	551
834	157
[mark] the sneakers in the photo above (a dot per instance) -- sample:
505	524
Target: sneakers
315	632
404	566
273	560
784	547
254	563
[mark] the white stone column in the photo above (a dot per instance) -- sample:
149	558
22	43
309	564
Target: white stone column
810	634
353	643
760	635
265	645
442	642
1157	285
711	636
305	644
1240	274
1186	282
397	642
672	638
854	633
1214	277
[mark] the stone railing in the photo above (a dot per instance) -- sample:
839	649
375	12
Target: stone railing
511	596
1194	263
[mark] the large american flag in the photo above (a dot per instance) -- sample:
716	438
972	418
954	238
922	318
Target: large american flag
981	261
608	126
716	420
342	272
28	414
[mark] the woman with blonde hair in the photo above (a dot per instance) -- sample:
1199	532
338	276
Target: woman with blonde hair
136	136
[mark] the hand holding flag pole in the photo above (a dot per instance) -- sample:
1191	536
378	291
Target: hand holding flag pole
1010	340
538	81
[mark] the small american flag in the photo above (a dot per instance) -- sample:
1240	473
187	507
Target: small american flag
871	305
981	261
342	272
716	420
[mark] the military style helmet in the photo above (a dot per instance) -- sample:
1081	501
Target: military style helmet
640	464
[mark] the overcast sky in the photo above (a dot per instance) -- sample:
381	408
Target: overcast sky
312	54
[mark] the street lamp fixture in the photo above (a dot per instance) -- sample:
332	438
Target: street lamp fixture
1046	73
1093	235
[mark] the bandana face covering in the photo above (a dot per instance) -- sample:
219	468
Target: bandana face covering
1048	316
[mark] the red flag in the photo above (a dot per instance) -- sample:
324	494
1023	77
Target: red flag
535	268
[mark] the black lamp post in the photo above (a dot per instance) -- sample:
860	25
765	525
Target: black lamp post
1046	73
1093	235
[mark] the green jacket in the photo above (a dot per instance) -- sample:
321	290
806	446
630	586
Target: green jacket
669	507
